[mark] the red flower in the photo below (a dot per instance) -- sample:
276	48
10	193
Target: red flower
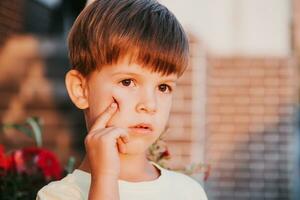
165	154
49	164
4	160
31	160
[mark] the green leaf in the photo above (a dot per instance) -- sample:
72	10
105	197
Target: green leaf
31	128
70	165
36	129
19	127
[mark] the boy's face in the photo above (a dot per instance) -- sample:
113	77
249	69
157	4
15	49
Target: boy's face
143	98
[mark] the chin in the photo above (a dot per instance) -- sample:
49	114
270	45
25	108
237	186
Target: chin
137	147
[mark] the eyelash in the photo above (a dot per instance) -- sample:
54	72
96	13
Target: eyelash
123	82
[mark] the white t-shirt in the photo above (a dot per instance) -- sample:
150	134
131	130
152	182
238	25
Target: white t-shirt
169	185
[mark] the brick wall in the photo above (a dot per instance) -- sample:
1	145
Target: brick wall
250	127
186	125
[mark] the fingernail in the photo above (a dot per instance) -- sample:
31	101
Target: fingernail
113	105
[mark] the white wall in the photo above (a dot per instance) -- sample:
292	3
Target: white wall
237	27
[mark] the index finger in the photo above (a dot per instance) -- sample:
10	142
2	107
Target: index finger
104	117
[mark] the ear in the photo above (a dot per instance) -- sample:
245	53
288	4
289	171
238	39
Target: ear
77	88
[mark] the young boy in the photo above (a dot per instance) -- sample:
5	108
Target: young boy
127	56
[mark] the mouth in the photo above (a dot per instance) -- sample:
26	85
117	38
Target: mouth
142	128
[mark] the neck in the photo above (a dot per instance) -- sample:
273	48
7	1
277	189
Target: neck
134	168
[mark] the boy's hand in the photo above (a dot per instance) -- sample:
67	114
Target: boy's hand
104	144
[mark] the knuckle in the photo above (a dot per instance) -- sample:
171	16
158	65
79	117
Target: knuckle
88	136
87	139
103	139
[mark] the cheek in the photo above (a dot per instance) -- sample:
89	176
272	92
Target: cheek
165	104
164	107
124	98
100	98
126	102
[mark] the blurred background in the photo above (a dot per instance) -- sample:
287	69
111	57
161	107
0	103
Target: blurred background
236	108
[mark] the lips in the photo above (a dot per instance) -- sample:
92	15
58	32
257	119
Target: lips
142	128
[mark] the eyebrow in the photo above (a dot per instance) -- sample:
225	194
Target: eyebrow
140	75
127	73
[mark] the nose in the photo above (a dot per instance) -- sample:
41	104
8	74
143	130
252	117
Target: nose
147	102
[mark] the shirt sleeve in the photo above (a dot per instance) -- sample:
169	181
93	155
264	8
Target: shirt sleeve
59	191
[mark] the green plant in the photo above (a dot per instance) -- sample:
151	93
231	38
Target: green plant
159	153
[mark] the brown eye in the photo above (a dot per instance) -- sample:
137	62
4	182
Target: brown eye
164	88
127	82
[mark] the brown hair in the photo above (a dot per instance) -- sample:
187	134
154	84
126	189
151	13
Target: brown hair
107	31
